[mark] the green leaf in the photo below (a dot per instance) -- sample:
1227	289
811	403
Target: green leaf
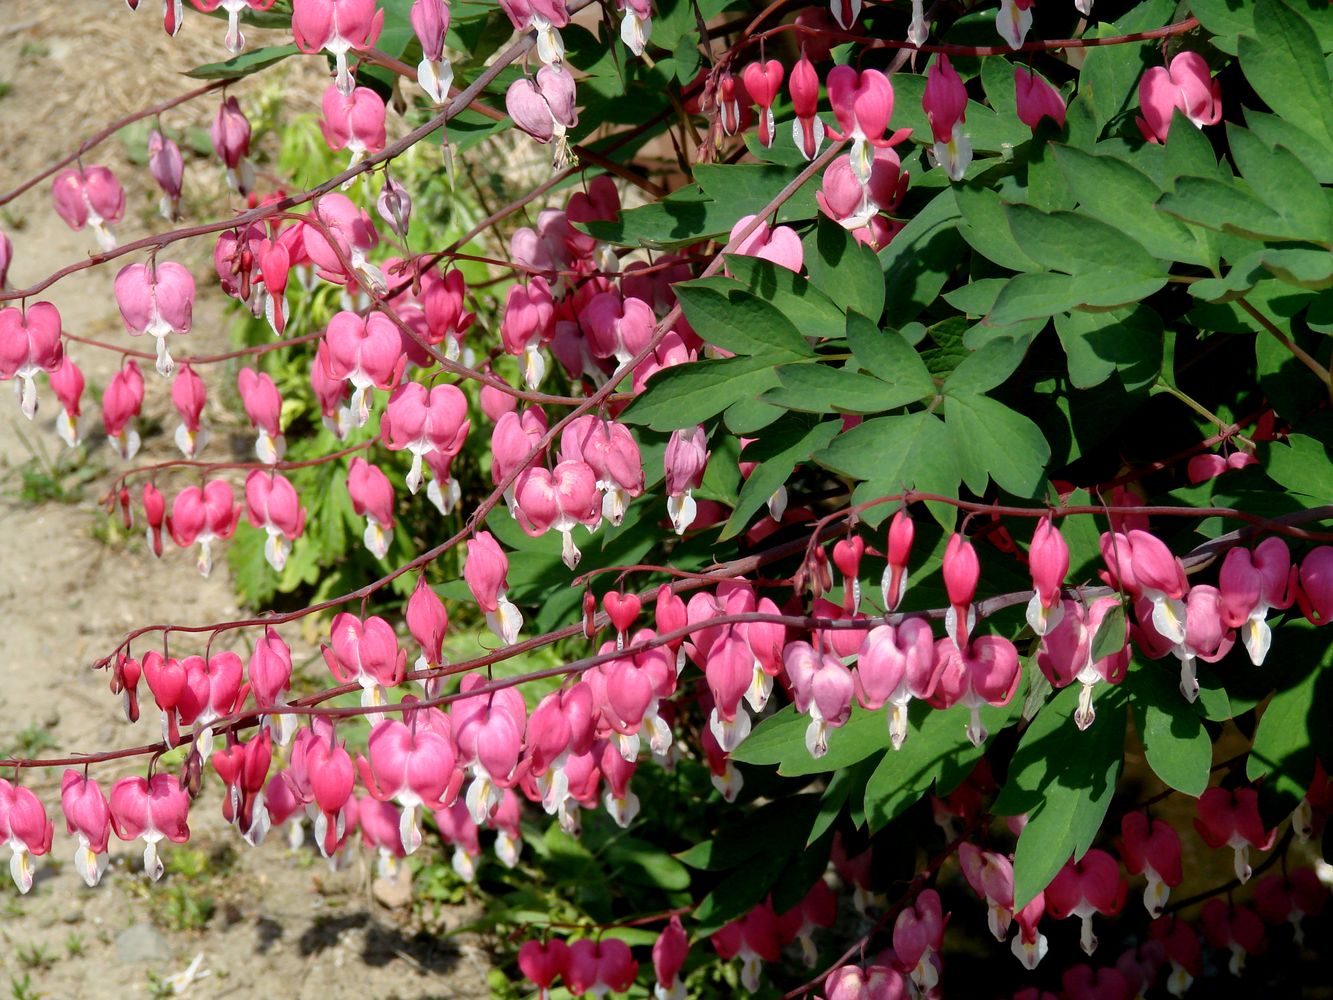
750	414
887	356
683	217
785	822
846	785
722	477
948	350
1127	340
674	20
759	849
1282	182
1064	780
639	862
986	228
1174	740
987	367
976	297
800	873
1034	296
1315	153
1299	266
747	188
244	64
1076	243
1111	190
895	454
740	322
684	395
1228	207
1284	63
992	440
780	739
1189	154
919	260
917	455
936	741
776	462
807	308
1283	756
1302	466
736	894
1224	21
845	270
1110	637
824	389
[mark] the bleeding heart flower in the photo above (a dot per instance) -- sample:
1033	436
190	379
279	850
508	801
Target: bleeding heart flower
204	516
1085	887
87	816
485	570
896	665
24	829
1151	848
985	673
353	121
271	503
230	133
1230	818
430	23
67	384
762	80
778	244
263	405
336	26
168	169
90	196
1037	99
1188	86
188	395
154	809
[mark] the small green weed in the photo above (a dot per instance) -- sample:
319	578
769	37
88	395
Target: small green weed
181	907
74	945
31	741
34	956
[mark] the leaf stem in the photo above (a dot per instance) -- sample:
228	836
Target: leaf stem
1207	414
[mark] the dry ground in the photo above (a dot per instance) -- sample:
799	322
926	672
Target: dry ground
71	582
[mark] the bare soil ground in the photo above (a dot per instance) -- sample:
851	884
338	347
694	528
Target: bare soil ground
268	921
